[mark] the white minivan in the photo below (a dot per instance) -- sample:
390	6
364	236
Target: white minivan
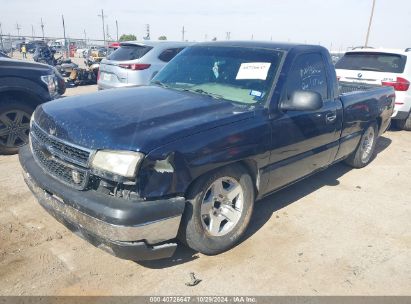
386	67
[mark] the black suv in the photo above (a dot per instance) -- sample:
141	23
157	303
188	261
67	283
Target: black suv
23	86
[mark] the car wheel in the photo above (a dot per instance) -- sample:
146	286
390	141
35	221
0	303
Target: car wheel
14	126
218	210
404	124
364	153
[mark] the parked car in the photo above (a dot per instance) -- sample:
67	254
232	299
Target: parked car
381	67
23	86
136	63
3	55
222	125
112	47
33	45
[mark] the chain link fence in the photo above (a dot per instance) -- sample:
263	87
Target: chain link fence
71	47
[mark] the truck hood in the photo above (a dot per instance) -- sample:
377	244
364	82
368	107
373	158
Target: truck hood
22	64
136	119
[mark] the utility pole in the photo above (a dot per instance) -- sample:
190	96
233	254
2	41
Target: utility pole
252	36
42	27
1	38
183	33
64	33
147	36
117	30
18	30
102	20
85	38
32	32
369	24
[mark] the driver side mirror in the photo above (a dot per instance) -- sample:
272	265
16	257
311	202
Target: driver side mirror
302	101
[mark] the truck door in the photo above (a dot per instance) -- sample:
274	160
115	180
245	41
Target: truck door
304	141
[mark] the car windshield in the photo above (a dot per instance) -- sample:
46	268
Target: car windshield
243	75
372	61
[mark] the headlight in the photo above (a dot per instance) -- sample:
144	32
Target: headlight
123	163
50	81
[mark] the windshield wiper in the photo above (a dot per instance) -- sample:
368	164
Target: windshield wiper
159	83
201	91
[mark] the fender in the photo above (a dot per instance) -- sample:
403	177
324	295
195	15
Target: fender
170	169
9	84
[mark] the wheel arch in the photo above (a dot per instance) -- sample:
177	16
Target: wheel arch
248	165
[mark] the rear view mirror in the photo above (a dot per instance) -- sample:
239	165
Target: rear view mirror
303	101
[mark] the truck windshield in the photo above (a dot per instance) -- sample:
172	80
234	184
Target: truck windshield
243	75
372	61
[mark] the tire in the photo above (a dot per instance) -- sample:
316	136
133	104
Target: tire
14	125
364	152
213	226
404	124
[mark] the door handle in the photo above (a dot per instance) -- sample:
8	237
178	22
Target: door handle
331	117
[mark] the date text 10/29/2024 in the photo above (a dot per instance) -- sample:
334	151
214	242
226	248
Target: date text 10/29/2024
203	299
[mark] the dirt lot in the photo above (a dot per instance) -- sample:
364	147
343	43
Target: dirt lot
340	232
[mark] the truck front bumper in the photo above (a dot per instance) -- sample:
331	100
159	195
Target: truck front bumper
132	230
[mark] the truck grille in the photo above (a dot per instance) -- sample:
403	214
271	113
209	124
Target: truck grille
64	162
76	155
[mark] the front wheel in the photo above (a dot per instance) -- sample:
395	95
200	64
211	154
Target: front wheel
14	126
218	210
364	153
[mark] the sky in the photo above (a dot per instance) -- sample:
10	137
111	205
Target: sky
335	24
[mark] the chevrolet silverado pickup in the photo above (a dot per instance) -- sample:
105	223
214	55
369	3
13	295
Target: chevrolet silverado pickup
222	125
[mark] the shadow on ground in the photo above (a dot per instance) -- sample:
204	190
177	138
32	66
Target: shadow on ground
264	209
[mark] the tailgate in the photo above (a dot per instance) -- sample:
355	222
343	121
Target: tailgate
111	72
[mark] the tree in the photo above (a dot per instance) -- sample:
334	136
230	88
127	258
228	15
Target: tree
128	37
214	39
162	37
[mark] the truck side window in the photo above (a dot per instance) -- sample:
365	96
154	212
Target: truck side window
169	54
308	73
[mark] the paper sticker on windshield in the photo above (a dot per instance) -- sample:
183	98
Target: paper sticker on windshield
253	70
256	93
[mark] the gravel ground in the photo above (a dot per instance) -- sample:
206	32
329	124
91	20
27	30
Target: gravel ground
340	232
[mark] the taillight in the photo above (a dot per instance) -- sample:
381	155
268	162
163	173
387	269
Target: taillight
401	84
135	66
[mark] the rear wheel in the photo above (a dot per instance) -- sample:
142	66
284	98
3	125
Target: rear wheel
404	124
218	210
14	126
364	153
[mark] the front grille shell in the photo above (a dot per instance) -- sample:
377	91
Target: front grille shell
66	162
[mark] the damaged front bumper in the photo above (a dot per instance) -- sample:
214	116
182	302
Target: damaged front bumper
128	229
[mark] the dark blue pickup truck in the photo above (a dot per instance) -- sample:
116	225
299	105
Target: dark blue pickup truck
222	125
